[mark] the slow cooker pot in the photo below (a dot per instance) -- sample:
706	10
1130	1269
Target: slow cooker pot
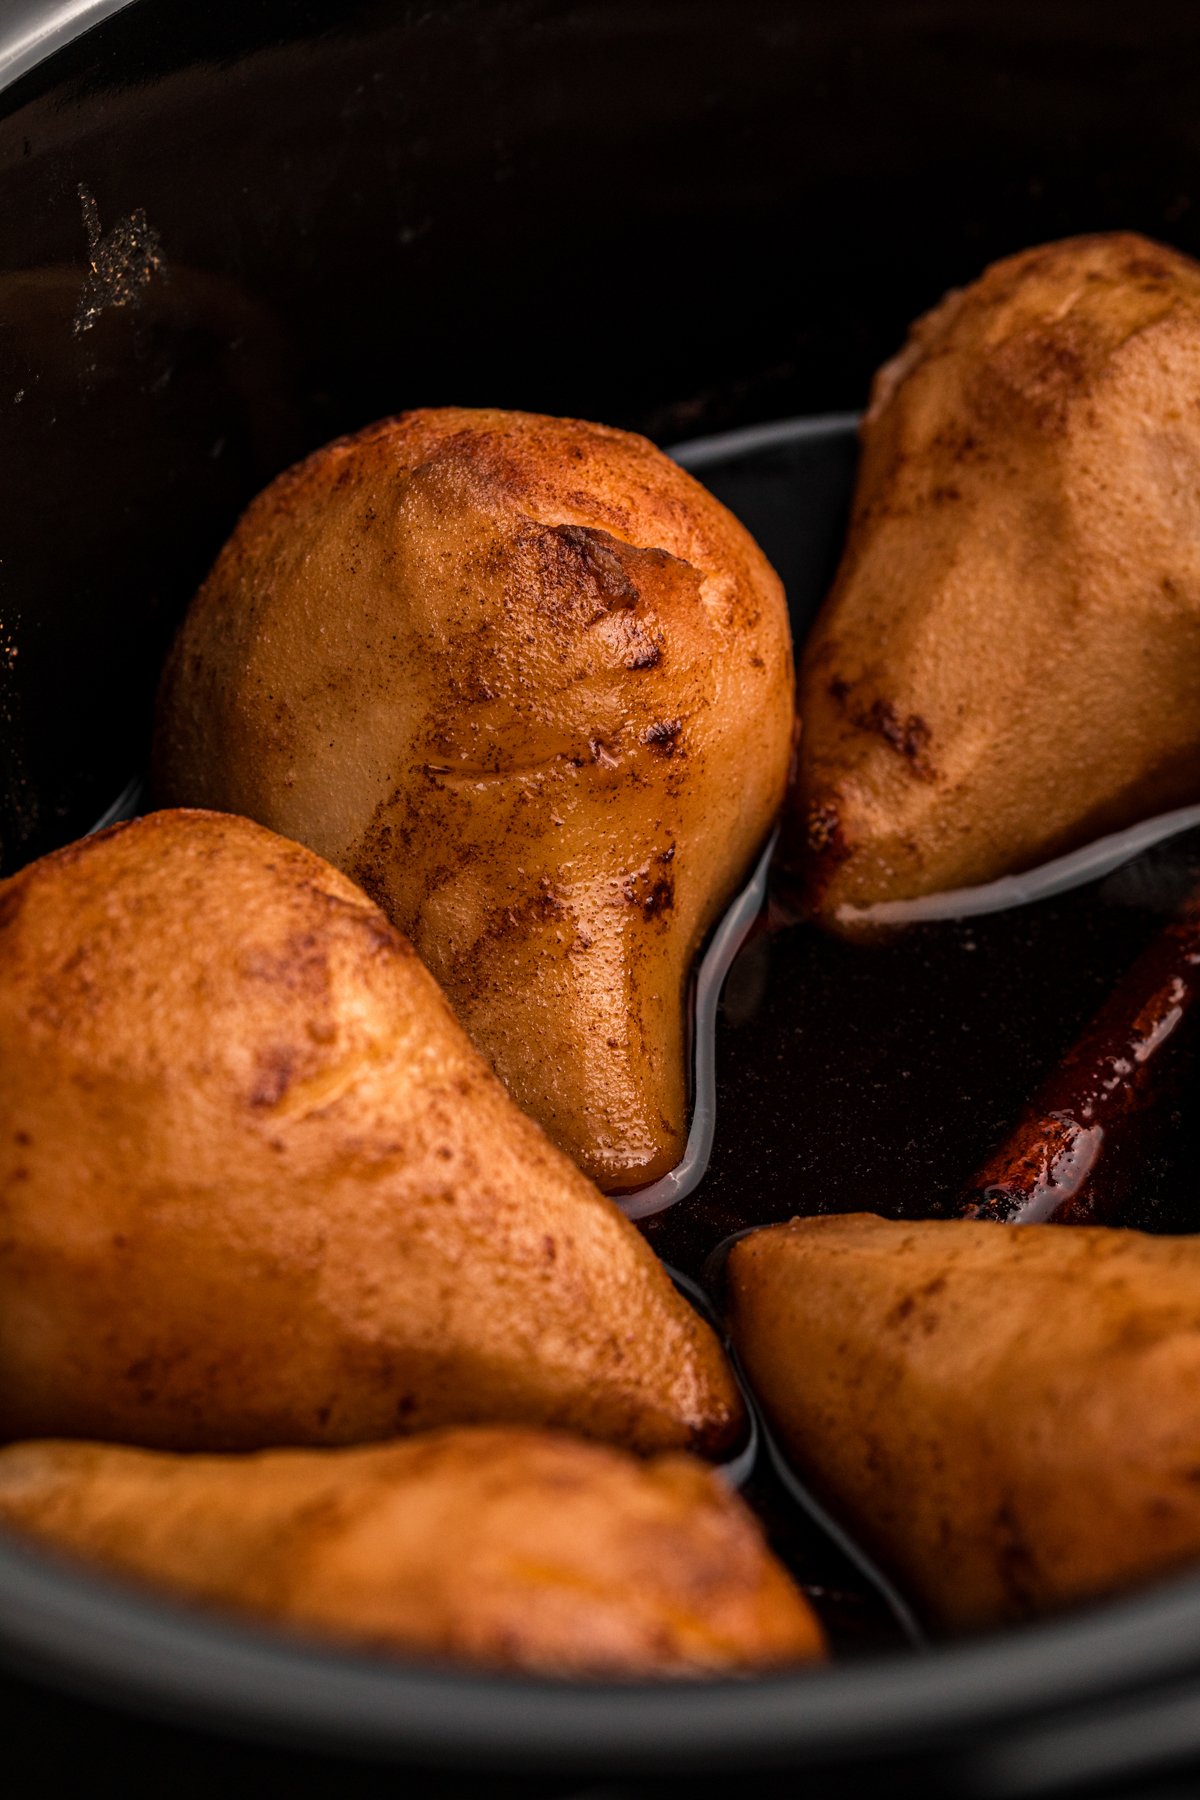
231	231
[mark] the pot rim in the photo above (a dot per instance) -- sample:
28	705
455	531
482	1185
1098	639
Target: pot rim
99	1640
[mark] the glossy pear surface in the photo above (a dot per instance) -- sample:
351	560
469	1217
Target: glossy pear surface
256	1187
1008	665
531	686
517	1548
1007	1416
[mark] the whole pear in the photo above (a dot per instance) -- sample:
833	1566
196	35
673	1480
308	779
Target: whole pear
1008	665
257	1188
498	1545
531	686
1007	1416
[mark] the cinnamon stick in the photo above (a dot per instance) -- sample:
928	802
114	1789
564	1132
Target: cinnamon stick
1076	1152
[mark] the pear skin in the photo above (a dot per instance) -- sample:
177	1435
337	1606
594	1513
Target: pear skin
256	1187
1007	1416
531	686
503	1546
1008	665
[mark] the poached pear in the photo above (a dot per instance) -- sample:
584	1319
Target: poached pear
528	683
256	1186
1008	665
1007	1416
504	1546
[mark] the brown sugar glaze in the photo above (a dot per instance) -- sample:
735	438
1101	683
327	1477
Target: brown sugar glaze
882	1076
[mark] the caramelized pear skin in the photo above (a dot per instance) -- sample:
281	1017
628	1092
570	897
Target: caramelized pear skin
1007	1416
531	685
510	1548
257	1188
1008	665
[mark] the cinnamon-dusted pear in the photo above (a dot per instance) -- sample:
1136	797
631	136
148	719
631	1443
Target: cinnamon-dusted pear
1008	665
531	685
256	1187
518	1548
1008	1416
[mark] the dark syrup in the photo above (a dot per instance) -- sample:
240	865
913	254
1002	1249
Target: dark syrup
878	1076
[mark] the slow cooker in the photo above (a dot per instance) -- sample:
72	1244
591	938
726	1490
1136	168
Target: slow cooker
230	232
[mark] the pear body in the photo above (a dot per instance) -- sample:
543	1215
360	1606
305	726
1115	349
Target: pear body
1007	1416
256	1187
1008	665
502	1546
531	686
